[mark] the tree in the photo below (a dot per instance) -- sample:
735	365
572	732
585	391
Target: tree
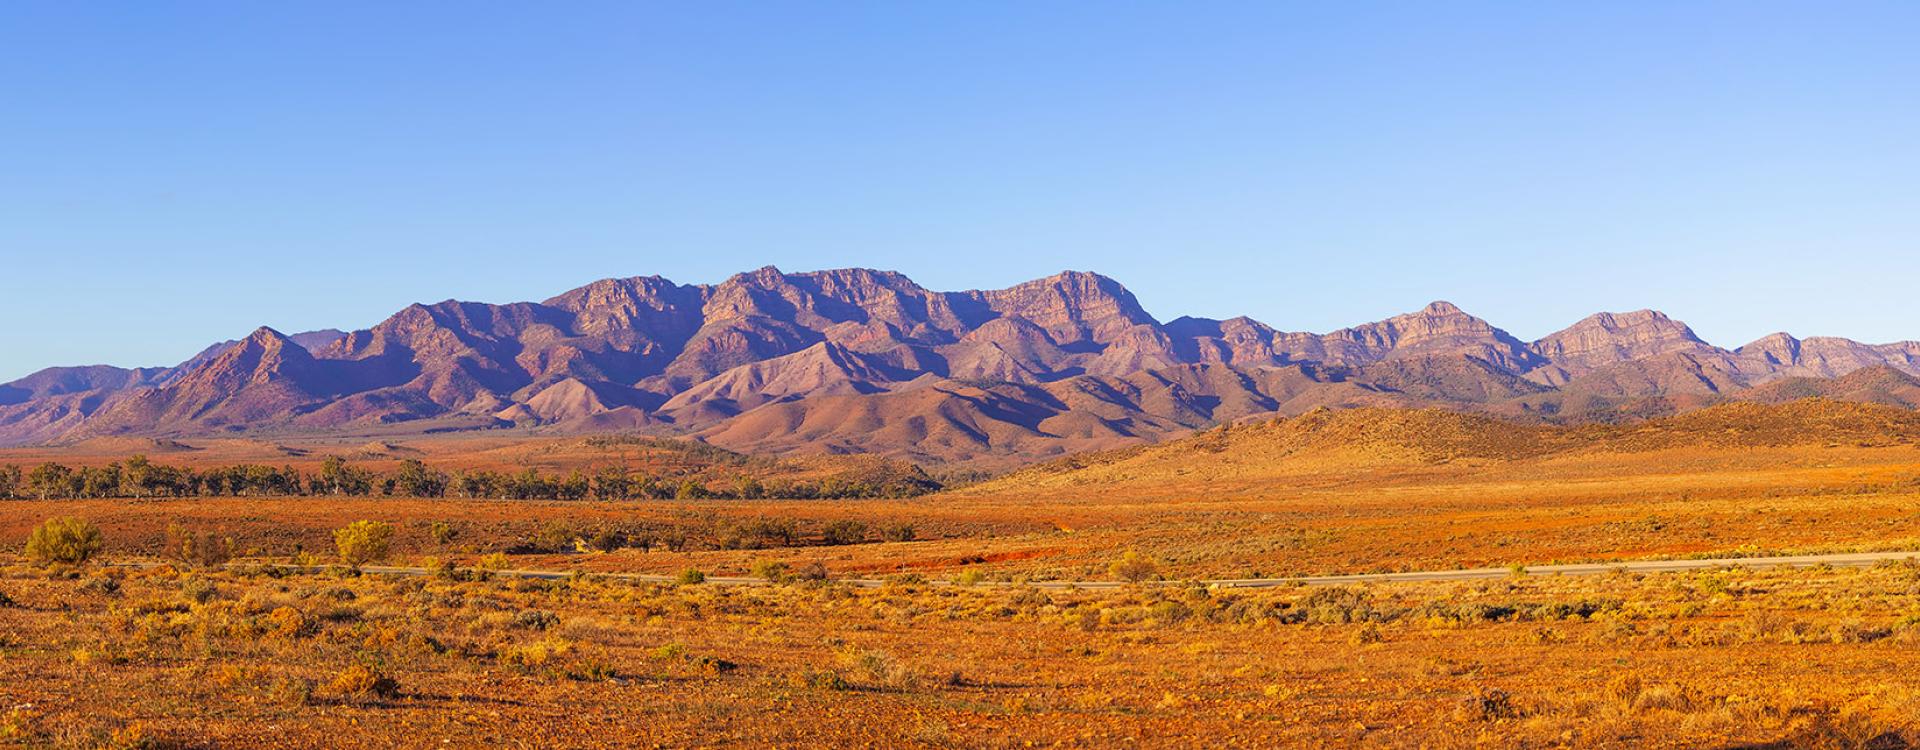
99	482
49	480
415	480
528	485
574	487
68	540
337	478
612	484
362	542
135	478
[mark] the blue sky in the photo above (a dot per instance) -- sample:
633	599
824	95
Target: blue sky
177	173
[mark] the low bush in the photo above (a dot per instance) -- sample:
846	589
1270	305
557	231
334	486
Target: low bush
68	540
1134	567
363	542
844	532
771	570
813	571
363	683
197	548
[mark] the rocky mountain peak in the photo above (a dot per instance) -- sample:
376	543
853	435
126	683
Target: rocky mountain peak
1605	339
1072	306
1440	327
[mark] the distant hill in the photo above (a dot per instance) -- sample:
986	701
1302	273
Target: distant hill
1281	452
1879	384
865	361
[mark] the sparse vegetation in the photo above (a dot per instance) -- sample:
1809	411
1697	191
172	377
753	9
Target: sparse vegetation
1503	661
1619	659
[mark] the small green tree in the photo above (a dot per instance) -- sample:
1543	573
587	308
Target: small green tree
64	540
363	542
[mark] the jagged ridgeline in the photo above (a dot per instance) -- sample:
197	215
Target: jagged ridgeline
863	361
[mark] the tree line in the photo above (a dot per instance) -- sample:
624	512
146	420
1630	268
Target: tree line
137	477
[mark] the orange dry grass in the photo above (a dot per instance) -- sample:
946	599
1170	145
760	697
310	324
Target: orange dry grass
1611	661
1406	517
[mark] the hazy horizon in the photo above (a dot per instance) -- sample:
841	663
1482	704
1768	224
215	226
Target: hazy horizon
177	177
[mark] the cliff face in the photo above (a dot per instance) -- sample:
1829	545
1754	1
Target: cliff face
858	359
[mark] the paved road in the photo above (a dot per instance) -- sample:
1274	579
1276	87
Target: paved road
1849	560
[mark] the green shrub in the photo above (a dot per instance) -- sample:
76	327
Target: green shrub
1134	567
690	576
364	683
771	570
198	548
845	532
102	585
899	533
363	542
534	619
64	540
825	679
605	540
198	590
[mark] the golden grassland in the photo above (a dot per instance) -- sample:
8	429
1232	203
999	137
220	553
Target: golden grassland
262	657
1669	503
265	654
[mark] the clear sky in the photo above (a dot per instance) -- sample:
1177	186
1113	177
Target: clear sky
176	173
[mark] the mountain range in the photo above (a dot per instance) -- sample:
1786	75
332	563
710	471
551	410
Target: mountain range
858	360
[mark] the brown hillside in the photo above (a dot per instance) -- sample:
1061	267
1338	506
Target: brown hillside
1334	443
